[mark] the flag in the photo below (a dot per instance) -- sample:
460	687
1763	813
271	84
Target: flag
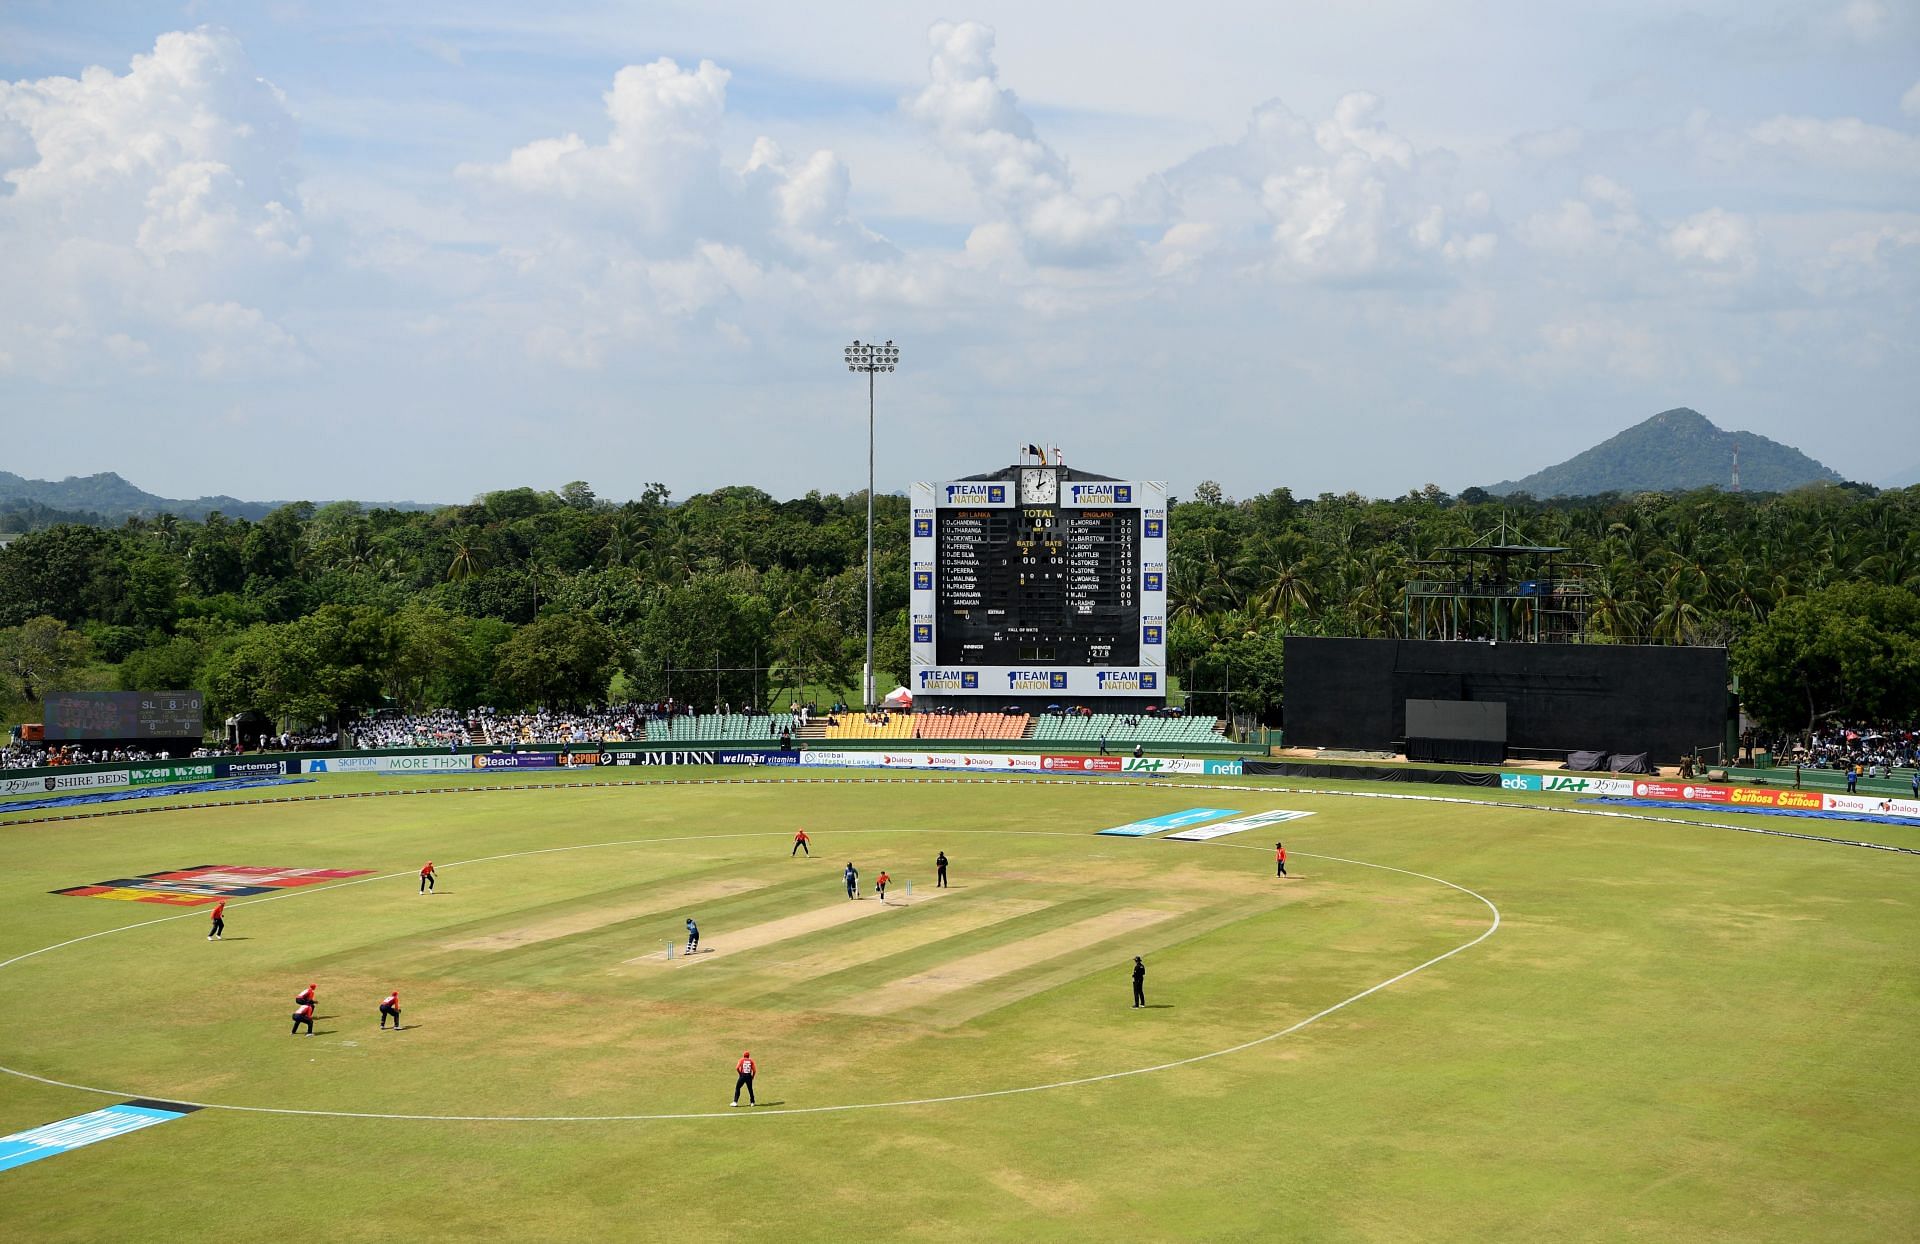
1039	453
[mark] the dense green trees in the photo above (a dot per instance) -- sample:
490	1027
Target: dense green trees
1849	652
526	596
38	655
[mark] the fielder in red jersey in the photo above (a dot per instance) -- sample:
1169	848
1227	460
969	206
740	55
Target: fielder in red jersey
219	918
390	1006
743	1072
306	997
800	841
426	878
302	1014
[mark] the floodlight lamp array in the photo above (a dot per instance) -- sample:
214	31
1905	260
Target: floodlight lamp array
872	357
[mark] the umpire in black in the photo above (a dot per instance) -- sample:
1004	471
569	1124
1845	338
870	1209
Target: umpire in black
1139	982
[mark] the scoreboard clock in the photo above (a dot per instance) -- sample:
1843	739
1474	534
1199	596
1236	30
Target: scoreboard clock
1039	486
1039	581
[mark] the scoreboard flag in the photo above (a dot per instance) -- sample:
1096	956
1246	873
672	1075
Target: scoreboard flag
1172	820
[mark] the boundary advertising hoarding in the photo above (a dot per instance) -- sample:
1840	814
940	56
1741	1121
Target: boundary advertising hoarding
435	763
252	768
696	756
45	782
1566	783
149	775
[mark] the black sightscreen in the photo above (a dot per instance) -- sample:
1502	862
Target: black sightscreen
1665	700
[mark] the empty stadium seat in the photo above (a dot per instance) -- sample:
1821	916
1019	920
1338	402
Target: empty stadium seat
1113	727
970	726
856	726
742	729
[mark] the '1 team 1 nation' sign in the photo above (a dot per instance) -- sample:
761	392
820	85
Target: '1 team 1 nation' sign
1039	581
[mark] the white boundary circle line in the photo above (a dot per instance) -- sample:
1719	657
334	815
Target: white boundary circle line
796	1110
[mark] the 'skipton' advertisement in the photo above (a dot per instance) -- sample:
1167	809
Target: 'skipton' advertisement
435	763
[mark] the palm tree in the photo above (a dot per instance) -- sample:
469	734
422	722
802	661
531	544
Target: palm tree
626	540
1280	573
467	560
166	529
1678	618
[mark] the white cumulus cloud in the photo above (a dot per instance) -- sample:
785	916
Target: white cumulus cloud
980	124
1715	239
659	223
135	199
1339	199
1843	142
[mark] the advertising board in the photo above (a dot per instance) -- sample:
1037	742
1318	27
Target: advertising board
429	763
1081	764
1171	820
54	782
491	761
250	768
697	756
840	760
1871	804
1796	800
1567	783
148	775
1260	820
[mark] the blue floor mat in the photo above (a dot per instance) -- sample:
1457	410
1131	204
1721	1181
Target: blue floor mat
1804	814
118	794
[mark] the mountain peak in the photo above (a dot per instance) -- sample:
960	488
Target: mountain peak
1683	418
107	496
1674	451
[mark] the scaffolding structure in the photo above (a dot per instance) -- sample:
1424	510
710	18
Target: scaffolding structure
1499	589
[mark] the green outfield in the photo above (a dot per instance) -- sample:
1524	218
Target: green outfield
1674	1031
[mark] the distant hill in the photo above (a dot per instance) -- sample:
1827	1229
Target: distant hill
108	499
1903	479
1673	451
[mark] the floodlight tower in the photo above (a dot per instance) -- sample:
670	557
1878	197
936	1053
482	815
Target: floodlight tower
871	359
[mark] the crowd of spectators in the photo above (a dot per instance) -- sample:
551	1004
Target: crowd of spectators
1878	750
489	727
43	755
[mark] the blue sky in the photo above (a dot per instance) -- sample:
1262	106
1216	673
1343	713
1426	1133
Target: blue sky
315	250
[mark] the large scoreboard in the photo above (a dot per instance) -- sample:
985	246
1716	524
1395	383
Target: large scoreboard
1039	580
122	715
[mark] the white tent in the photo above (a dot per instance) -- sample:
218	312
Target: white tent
899	697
